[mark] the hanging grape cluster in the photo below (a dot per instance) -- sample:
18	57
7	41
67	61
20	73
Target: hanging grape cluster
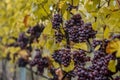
56	22
35	31
79	57
22	40
62	56
41	62
77	30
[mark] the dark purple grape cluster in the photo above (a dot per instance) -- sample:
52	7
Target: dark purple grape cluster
100	64
41	64
22	62
58	36
62	56
79	57
117	78
57	20
89	74
83	73
77	30
98	70
98	54
23	40
40	61
35	31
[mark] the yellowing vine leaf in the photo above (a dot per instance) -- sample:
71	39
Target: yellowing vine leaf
61	3
69	68
106	32
97	47
23	54
81	46
113	46
112	65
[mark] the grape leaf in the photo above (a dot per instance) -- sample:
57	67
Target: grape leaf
112	65
80	46
70	67
106	32
113	46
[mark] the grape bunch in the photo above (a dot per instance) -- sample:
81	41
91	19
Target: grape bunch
77	30
41	62
22	40
57	20
62	56
100	65
79	57
35	31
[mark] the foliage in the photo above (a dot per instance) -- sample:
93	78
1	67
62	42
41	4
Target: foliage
20	15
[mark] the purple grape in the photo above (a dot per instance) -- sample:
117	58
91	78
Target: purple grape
22	40
57	20
62	56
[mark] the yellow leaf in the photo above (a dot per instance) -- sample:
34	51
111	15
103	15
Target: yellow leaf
55	64
66	15
69	68
23	54
112	65
97	47
106	32
81	46
48	29
113	46
118	53
61	3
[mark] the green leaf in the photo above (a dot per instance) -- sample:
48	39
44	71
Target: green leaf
112	65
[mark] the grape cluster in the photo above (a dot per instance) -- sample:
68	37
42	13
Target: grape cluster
23	40
100	65
79	57
98	70
77	30
40	61
22	62
62	56
57	20
35	31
